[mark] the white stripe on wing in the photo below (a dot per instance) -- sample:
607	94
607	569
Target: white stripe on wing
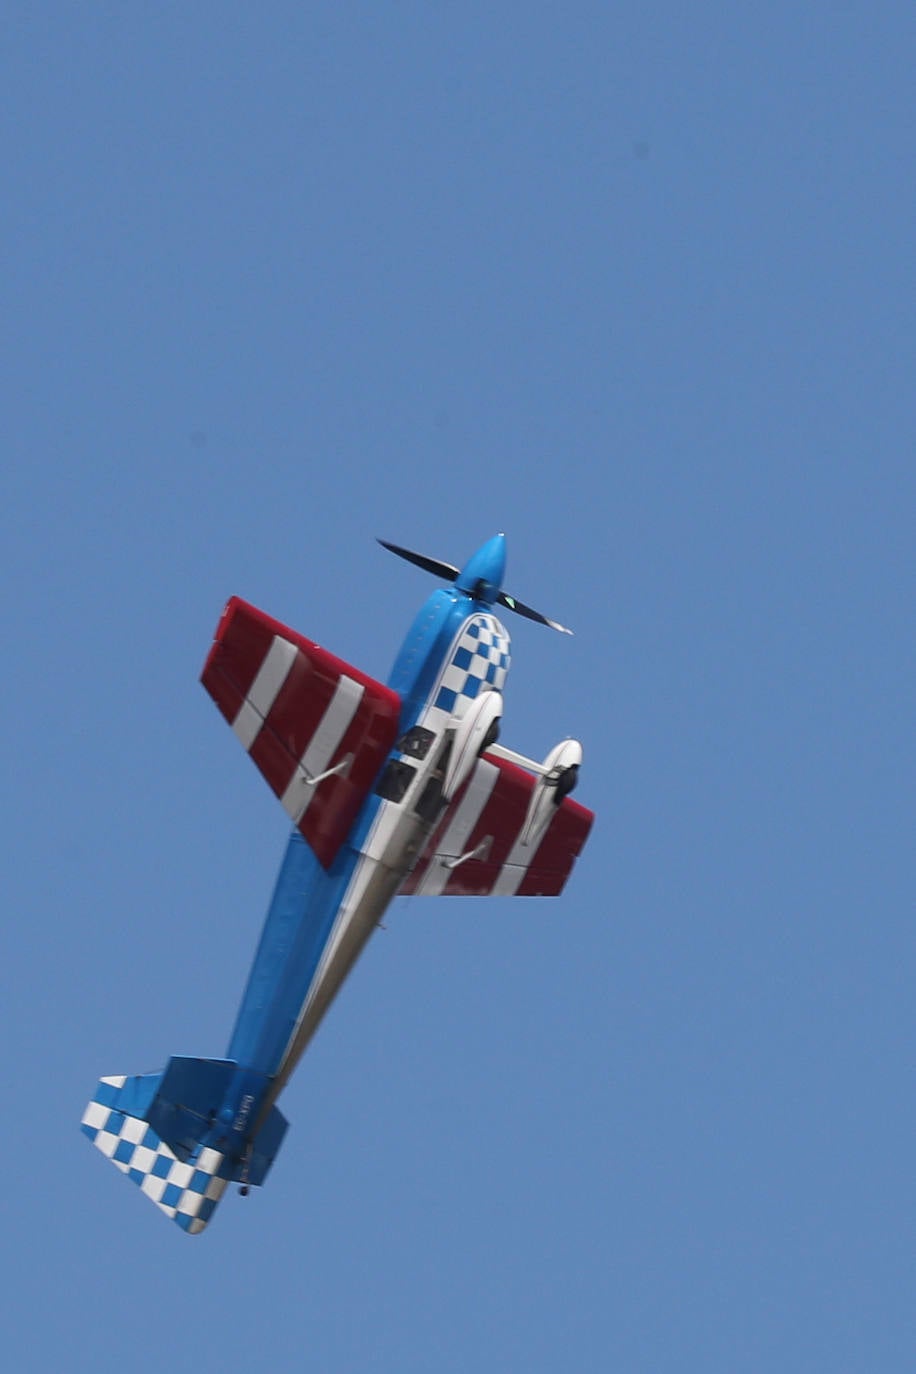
321	747
264	691
455	839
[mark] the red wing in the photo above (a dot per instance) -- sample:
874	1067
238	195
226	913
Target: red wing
300	713
488	817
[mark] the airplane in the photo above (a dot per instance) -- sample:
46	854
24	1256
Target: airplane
393	789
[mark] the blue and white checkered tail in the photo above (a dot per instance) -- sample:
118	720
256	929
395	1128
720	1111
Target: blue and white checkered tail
186	1192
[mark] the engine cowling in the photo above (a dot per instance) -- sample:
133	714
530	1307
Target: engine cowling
561	773
472	733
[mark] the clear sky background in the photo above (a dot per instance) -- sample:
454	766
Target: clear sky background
634	284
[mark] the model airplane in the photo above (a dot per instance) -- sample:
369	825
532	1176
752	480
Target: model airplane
397	789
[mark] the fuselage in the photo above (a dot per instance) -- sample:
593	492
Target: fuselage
320	919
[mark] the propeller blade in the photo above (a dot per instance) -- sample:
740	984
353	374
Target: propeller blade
430	565
449	572
520	608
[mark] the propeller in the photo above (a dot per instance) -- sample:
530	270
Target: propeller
529	613
419	560
450	573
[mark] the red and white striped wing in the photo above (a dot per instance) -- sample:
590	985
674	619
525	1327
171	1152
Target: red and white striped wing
299	712
489	814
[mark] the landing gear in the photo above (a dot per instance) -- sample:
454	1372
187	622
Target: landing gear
245	1187
566	782
490	737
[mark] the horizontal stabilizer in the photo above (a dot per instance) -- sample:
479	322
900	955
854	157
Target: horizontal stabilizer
264	1149
186	1191
161	1129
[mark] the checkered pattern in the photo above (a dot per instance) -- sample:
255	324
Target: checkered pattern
480	660
188	1193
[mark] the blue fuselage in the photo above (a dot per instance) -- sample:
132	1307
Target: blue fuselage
320	919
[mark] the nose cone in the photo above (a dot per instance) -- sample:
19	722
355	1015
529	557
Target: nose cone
482	576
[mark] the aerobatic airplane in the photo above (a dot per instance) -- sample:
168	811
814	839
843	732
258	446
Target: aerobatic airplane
397	789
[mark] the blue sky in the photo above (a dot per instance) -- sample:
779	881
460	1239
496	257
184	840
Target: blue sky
636	286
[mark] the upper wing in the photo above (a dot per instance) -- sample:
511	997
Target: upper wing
486	820
317	729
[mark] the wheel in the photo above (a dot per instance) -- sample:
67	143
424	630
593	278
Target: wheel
489	738
566	782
